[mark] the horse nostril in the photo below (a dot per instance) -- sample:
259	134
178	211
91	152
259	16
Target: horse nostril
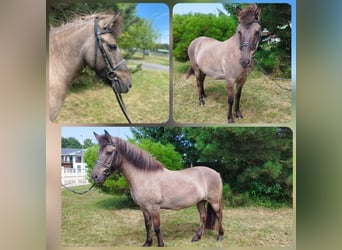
94	177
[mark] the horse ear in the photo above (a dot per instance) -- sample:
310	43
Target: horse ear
114	23
257	13
96	136
108	137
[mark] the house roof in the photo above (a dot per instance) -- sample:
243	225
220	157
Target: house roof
72	151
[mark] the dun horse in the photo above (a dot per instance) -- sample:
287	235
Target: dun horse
231	60
154	187
91	41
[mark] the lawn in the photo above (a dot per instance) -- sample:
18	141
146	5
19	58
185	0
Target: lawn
262	100
101	220
146	102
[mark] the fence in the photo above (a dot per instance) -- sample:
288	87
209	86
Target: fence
74	176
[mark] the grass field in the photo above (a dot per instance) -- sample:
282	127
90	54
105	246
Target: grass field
146	102
101	220
262	100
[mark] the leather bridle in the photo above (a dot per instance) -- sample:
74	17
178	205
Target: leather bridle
111	74
252	46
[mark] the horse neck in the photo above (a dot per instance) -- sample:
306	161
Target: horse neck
135	176
66	44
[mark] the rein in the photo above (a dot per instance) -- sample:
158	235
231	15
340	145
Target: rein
80	193
111	75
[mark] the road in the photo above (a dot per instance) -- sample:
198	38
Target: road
146	65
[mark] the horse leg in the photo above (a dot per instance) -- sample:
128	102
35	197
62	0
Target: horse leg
230	88
237	98
219	216
148	226
203	217
156	226
217	207
200	76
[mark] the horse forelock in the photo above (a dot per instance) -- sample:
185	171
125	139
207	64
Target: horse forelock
139	158
248	15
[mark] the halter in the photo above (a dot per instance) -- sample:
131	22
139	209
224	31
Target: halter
252	46
111	75
109	165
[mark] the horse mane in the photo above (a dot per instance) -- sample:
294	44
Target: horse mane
138	157
82	18
248	15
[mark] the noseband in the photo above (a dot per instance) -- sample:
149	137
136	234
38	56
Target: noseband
111	75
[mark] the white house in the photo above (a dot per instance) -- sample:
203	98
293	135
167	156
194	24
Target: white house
73	167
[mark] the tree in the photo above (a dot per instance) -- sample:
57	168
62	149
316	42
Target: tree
139	35
169	135
190	26
70	142
87	143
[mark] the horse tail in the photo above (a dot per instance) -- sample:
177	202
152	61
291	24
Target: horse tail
211	217
190	72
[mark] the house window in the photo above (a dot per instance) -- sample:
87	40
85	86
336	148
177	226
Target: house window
78	159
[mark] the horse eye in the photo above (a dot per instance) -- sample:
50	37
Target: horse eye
108	153
112	46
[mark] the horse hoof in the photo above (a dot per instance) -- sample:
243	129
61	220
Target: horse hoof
220	238
148	243
195	238
230	120
239	115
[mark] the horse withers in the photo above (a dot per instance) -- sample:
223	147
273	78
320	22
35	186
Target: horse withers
231	60
154	187
87	41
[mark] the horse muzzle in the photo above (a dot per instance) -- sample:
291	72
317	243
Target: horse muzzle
245	63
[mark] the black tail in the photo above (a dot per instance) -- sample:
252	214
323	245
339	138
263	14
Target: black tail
190	72
211	218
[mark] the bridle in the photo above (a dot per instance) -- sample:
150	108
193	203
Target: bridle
252	46
111	74
108	166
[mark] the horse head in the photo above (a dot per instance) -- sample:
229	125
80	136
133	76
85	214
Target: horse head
103	55
249	32
108	158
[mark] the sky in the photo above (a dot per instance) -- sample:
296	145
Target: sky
204	8
158	13
82	133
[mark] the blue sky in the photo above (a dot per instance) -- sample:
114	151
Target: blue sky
204	8
158	13
82	133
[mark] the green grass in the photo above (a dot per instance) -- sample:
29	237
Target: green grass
146	102
262	100
101	220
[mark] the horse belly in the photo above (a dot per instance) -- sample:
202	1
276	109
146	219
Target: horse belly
183	197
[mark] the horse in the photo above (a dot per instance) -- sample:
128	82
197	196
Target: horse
153	187
77	44
231	60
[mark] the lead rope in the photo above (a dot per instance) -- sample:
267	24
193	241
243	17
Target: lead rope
120	100
79	193
269	76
